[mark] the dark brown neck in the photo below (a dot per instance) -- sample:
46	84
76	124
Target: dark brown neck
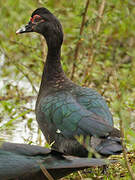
52	69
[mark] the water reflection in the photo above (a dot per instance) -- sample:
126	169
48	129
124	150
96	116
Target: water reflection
23	128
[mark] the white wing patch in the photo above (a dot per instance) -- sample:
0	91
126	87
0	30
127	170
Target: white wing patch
58	131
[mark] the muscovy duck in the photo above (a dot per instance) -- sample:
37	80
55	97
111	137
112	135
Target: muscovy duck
22	162
65	110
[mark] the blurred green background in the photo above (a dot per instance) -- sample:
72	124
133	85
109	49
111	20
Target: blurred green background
105	62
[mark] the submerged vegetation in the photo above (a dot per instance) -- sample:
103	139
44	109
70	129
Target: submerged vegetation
98	52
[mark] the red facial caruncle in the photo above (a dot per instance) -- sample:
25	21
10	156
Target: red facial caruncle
35	17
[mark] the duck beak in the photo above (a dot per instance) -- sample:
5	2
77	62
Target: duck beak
25	29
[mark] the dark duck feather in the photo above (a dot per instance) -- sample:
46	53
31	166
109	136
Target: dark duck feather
65	110
22	162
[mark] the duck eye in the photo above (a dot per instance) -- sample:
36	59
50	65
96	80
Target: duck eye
35	18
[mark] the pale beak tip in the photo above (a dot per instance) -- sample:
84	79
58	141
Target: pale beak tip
21	30
17	32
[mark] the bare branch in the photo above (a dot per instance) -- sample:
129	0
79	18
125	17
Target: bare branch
91	53
79	173
26	75
22	44
34	72
119	96
5	98
125	151
100	14
46	173
79	41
